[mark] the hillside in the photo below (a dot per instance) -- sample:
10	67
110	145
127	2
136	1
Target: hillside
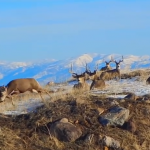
115	118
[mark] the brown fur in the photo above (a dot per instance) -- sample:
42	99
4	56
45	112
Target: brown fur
82	84
100	84
111	74
23	85
20	86
96	82
107	67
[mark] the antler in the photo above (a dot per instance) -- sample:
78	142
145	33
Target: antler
118	61
87	69
71	71
108	62
96	68
111	59
121	60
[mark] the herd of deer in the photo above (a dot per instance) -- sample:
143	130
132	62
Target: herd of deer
98	77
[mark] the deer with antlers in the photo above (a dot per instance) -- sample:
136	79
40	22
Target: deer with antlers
114	73
107	67
96	81
81	78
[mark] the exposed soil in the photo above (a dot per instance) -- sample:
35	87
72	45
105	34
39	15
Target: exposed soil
30	131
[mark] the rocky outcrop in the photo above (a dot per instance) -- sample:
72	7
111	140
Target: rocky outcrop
116	116
65	131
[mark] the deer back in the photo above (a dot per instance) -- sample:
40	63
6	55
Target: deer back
100	84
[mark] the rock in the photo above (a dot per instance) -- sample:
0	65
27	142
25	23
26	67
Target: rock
110	142
64	120
146	97
114	102
148	81
65	131
88	138
99	103
131	96
131	126
50	83
116	116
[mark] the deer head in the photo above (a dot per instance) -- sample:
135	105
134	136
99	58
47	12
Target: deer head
92	75
118	63
108	63
107	67
79	77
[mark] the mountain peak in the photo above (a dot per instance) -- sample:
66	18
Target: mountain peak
58	71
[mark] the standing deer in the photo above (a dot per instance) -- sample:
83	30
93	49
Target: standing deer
111	74
20	86
81	78
96	81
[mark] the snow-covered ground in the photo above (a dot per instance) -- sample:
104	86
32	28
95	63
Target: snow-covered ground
125	85
114	88
58	71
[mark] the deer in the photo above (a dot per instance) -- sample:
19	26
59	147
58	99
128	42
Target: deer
107	67
81	78
96	81
114	73
21	85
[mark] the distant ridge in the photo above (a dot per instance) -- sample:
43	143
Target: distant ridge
58	70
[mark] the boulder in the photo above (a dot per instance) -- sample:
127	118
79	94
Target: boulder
116	116
131	126
110	142
131	96
65	131
148	81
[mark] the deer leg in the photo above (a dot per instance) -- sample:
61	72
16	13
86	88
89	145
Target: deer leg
45	92
119	78
13	92
9	96
42	97
34	91
92	86
12	101
48	94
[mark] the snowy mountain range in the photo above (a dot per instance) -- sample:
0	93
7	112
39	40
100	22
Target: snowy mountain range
58	70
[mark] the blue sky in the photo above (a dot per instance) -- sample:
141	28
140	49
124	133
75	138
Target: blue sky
32	30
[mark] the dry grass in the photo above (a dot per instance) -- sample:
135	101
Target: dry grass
143	74
30	131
